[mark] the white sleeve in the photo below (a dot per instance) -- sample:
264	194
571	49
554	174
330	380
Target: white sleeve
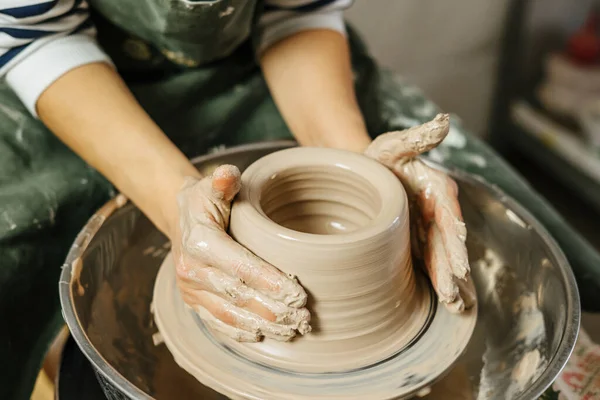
282	18
40	40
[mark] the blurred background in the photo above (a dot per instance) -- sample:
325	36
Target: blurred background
522	74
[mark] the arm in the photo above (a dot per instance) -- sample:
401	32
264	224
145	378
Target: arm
310	77
50	58
110	131
309	74
87	105
305	58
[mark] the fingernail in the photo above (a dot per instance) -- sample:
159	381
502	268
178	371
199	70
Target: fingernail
227	171
296	300
293	294
456	307
304	327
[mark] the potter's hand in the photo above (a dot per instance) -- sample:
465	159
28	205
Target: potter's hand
438	231
232	290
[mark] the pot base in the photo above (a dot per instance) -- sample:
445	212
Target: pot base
316	353
216	363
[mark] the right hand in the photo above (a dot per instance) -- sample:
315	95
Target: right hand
438	232
232	290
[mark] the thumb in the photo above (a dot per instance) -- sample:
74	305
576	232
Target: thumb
226	182
393	147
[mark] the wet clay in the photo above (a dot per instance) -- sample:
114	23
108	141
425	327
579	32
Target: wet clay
339	223
210	359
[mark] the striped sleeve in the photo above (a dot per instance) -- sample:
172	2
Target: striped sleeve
40	40
282	18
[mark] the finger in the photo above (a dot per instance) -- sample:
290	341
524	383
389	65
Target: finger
392	147
236	334
414	176
226	182
217	249
438	268
419	203
448	217
467	292
232	290
438	201
466	298
200	203
238	318
454	234
457	306
417	230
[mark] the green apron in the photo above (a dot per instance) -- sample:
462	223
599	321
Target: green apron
191	65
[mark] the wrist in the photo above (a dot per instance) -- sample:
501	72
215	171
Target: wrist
153	182
167	208
354	139
354	142
345	133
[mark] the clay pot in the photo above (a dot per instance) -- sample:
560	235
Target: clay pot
339	222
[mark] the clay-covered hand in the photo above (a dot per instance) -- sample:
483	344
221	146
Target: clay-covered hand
437	227
231	289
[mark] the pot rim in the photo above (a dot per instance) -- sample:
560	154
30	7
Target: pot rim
393	198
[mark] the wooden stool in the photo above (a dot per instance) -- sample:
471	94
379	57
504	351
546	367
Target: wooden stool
44	384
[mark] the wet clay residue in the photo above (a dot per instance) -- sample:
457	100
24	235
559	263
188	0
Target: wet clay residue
84	237
215	364
526	368
527	332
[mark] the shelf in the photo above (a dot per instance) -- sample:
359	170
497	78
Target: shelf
557	150
557	139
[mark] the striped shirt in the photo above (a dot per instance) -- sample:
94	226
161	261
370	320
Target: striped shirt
40	40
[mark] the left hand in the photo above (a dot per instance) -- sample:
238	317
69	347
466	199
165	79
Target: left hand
437	228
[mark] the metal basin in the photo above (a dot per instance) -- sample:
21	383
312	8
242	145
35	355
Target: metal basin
528	301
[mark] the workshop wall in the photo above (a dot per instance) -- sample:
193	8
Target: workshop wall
448	48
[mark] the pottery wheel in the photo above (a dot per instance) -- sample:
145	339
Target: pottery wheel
215	363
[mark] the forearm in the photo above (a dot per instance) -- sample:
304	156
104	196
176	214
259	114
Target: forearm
311	80
93	112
